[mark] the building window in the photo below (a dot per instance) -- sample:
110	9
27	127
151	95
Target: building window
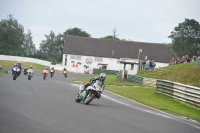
98	59
75	57
72	57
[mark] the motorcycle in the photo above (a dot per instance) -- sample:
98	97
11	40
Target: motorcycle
91	92
65	72
52	73
15	72
45	73
25	72
30	74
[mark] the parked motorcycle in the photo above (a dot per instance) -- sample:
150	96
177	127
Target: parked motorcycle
45	73
65	72
15	72
30	74
91	92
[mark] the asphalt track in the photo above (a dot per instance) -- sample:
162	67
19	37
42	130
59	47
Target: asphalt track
48	106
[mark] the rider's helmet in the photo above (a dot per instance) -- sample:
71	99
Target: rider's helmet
102	76
19	63
24	67
31	66
46	68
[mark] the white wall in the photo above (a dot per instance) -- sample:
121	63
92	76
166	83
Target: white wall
112	64
25	59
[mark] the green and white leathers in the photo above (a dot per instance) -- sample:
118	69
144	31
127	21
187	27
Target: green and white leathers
91	90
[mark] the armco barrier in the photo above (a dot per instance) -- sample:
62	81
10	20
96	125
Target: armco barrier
185	93
119	78
136	79
149	82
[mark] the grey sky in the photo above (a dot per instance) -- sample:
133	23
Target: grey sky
137	20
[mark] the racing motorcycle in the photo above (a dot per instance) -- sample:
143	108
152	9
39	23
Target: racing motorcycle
25	72
52	72
91	92
65	73
15	72
30	74
45	73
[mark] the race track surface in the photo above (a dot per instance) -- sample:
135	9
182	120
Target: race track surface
48	106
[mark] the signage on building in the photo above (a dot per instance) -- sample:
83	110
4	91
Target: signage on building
89	61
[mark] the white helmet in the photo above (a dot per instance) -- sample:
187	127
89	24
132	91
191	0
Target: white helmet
102	76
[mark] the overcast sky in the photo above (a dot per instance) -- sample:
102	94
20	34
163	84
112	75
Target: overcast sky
137	20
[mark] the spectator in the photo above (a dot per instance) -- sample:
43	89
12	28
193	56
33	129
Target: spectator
147	65
187	59
183	59
153	64
194	58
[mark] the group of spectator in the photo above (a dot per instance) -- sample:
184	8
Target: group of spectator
185	59
147	65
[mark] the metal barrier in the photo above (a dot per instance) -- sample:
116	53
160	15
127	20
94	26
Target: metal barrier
198	62
149	82
136	79
185	93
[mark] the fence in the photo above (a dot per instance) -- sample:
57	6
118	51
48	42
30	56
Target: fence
184	93
108	72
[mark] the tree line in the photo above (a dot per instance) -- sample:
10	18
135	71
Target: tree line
14	41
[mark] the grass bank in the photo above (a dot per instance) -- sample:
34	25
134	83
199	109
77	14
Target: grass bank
9	64
148	96
187	73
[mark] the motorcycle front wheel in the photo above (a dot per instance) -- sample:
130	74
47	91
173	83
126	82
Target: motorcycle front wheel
89	97
77	98
14	76
44	77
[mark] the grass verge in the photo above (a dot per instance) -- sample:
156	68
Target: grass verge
3	72
149	97
9	64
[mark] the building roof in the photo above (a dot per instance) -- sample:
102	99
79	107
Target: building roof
122	49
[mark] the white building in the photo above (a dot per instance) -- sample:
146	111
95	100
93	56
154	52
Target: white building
82	52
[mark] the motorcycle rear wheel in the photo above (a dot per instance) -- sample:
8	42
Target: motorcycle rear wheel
29	77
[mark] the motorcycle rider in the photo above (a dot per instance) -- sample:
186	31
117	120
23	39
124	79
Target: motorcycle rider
100	78
25	70
53	70
31	67
19	65
45	70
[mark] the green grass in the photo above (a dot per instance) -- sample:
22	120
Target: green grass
187	73
148	96
110	80
3	71
9	64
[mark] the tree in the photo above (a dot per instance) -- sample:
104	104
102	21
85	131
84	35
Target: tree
186	38
76	32
11	36
28	46
114	36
